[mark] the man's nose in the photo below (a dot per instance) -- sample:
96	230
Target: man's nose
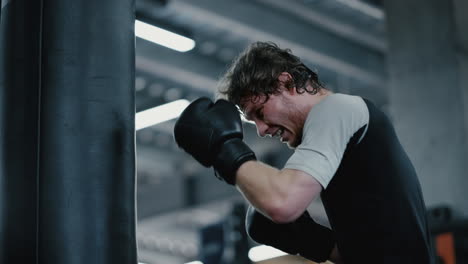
262	128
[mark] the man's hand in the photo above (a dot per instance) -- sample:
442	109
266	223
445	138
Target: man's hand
212	134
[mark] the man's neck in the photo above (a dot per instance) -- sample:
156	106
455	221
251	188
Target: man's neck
314	99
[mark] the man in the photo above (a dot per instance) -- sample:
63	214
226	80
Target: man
346	151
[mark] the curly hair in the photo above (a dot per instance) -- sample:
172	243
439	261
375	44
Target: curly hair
255	73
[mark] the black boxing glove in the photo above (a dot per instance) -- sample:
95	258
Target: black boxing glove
303	236
212	134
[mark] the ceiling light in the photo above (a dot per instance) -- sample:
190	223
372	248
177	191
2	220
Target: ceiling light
160	114
163	37
263	252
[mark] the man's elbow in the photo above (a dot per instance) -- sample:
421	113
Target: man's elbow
291	197
282	213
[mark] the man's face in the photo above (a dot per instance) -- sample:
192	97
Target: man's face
277	117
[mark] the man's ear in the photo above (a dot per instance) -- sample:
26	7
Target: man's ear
285	78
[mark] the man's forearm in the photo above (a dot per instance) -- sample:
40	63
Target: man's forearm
282	195
260	185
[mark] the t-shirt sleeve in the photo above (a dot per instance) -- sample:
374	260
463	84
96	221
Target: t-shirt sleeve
328	128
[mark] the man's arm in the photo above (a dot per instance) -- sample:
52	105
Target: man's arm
282	195
212	134
302	237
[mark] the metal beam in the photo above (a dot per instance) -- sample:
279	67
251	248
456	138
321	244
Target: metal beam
176	74
332	25
206	17
364	8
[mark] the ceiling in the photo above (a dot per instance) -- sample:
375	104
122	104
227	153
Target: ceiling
343	40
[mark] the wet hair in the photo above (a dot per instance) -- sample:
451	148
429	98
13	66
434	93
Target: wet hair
256	70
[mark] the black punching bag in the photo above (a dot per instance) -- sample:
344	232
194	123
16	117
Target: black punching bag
67	150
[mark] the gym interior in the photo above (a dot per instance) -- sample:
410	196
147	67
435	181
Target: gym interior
90	92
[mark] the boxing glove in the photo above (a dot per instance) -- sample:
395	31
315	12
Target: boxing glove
212	134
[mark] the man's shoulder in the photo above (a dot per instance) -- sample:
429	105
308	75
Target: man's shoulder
338	104
346	100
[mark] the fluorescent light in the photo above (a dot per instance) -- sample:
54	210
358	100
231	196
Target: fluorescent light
263	252
163	37
160	114
194	262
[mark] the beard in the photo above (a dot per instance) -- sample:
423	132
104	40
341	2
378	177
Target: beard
296	141
298	118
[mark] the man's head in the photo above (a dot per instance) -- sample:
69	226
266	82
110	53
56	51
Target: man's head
267	82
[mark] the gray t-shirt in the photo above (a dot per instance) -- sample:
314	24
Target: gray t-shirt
329	126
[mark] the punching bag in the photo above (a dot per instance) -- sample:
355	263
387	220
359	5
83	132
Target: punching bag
67	148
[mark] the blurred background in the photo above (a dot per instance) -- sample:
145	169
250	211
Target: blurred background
410	58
